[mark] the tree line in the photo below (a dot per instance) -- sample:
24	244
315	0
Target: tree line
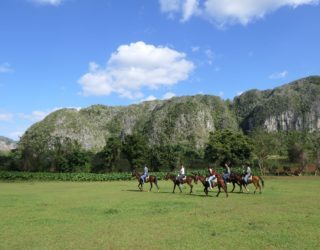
267	152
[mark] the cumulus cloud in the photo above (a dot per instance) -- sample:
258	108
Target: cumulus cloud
168	95
149	98
47	2
5	68
133	67
38	115
228	12
279	75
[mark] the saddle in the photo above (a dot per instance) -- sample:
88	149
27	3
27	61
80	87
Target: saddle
147	178
250	179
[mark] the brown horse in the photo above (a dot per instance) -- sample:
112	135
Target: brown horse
235	179
151	179
216	182
188	179
255	180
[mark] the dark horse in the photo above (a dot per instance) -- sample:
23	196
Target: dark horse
218	181
151	179
235	179
238	178
188	179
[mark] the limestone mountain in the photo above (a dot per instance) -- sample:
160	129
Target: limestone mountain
185	120
293	106
7	144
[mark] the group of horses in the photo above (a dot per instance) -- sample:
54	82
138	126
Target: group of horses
219	182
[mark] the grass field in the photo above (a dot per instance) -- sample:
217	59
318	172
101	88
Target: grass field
114	215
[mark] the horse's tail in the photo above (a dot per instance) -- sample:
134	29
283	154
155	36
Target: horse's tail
156	180
262	181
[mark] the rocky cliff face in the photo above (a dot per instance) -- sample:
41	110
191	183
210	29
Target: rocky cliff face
7	144
186	120
294	106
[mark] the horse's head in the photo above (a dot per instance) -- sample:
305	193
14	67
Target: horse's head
195	177
167	177
134	172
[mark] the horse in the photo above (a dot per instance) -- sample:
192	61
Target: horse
255	180
151	179
235	179
188	179
218	181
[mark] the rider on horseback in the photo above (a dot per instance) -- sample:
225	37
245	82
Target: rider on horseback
145	174
247	174
212	176
181	174
226	173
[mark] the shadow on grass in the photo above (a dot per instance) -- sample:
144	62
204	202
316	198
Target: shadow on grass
132	190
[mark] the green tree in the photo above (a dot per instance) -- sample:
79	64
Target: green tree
227	145
314	140
105	159
264	145
298	148
135	149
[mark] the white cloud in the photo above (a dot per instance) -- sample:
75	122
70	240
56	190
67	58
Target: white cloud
189	8
38	115
133	67
6	117
5	68
35	116
168	95
228	12
47	2
170	5
279	75
149	98
239	93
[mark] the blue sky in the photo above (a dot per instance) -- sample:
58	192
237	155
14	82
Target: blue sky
76	53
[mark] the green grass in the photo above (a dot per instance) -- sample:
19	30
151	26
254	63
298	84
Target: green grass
114	215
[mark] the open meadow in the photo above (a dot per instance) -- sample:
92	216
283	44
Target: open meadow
115	215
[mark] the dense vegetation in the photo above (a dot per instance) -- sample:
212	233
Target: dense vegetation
269	153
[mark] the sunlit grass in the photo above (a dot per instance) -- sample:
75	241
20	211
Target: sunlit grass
114	215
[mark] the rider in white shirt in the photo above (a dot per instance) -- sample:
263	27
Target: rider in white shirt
181	174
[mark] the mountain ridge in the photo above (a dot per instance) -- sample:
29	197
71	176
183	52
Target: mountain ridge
186	120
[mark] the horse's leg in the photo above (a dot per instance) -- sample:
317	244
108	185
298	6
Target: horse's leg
225	188
219	191
245	187
150	186
191	186
234	186
205	188
257	185
174	187
156	183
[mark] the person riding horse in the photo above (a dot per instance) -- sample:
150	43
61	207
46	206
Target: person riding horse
181	174
211	176
145	174
226	173
247	174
